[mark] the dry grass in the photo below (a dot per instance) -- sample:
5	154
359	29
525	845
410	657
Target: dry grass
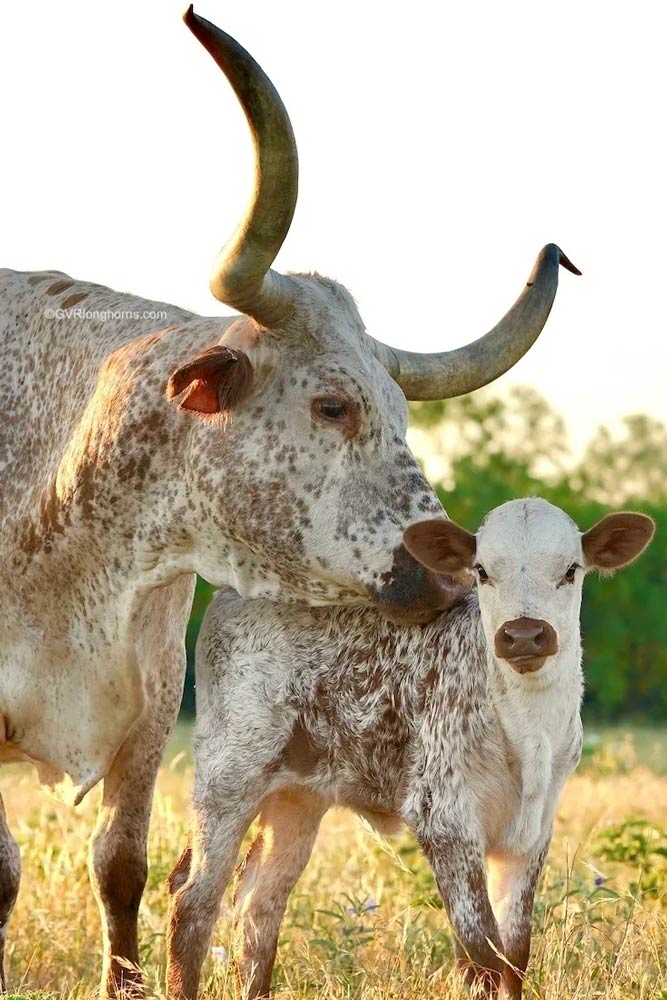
365	920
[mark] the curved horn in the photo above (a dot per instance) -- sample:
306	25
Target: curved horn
242	275
454	373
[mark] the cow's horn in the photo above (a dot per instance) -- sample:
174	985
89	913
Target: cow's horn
242	275
454	373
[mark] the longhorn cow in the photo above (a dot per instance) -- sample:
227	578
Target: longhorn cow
141	444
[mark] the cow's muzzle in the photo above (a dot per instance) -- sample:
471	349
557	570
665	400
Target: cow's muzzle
526	643
409	594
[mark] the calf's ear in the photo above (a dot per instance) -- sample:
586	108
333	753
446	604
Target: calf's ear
441	546
616	540
214	382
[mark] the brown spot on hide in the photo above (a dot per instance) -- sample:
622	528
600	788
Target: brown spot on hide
72	300
426	684
180	873
28	538
50	510
60	286
86	488
300	753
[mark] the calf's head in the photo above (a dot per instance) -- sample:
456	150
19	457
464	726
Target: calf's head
529	560
302	477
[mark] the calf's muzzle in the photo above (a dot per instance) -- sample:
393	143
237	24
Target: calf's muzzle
526	643
410	594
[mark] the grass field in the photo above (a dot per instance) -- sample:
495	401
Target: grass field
365	920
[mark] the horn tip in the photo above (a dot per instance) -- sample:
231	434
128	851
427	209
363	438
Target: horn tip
561	258
567	264
189	15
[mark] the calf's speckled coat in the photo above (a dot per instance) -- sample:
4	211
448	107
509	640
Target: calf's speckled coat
300	709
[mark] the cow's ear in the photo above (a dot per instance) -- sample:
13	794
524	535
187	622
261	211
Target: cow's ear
214	382
616	540
441	546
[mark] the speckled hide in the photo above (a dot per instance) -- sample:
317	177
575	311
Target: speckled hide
112	496
300	709
109	491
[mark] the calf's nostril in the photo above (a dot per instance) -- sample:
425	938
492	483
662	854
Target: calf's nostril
508	637
523	633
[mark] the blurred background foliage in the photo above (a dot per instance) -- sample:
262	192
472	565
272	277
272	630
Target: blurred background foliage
484	449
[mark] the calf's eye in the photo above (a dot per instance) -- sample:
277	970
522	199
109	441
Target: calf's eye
571	573
482	575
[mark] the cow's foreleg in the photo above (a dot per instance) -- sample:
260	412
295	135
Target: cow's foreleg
289	822
10	876
118	863
512	885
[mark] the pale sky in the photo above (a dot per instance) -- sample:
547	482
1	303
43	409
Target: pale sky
441	145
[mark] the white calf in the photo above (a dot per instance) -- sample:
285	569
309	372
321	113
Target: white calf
465	729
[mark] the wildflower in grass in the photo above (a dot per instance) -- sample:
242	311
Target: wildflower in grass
368	906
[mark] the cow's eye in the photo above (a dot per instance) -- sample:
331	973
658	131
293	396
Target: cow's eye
340	413
571	573
482	575
330	408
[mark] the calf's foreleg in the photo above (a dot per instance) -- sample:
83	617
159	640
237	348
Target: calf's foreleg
459	868
512	885
224	805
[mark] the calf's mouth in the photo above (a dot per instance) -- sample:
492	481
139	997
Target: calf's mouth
526	664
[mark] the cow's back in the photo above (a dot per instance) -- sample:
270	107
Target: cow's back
56	334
